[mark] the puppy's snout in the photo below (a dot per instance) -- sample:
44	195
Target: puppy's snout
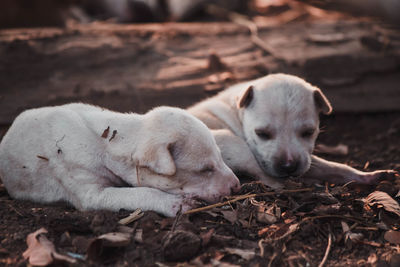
235	187
287	167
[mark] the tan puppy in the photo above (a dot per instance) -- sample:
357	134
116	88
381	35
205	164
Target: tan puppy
98	159
267	128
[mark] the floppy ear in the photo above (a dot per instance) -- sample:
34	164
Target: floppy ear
158	159
245	99
321	102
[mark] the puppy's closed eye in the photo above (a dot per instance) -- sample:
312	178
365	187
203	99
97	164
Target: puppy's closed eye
307	133
207	169
263	134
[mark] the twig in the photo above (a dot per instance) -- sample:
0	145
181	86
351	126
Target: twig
261	246
136	215
178	216
16	211
272	259
241	197
243	21
328	249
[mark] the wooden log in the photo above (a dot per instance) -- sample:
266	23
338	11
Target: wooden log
136	67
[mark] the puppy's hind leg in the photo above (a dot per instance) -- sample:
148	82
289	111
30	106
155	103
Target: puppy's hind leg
340	173
238	156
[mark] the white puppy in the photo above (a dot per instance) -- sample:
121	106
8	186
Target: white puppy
266	128
98	159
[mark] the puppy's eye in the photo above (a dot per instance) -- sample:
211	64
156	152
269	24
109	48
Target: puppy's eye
263	134
207	169
307	133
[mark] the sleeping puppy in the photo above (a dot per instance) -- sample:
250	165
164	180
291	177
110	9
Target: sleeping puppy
98	159
266	128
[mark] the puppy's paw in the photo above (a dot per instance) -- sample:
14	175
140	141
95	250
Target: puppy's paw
377	176
184	204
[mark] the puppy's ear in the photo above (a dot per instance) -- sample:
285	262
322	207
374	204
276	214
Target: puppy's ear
159	160
245	99
322	102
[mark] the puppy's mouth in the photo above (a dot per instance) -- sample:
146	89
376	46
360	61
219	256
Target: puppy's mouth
285	176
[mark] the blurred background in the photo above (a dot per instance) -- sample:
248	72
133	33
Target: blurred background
131	55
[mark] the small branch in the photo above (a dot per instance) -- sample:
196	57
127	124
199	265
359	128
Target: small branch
328	249
177	218
241	197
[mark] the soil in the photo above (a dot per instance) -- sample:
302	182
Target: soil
136	67
208	238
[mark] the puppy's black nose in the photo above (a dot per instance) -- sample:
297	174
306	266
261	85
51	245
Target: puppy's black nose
287	167
236	188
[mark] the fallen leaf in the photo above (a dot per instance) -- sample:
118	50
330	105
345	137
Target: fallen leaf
206	237
350	236
267	218
382	199
246	254
392	237
180	245
138	237
230	215
345	227
325	198
114	239
41	251
372	259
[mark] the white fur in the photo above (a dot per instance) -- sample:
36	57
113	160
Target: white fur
158	161
285	106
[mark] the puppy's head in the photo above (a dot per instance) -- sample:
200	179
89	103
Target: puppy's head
280	117
180	156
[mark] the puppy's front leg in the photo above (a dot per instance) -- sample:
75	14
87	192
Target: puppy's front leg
340	173
86	191
238	156
116	198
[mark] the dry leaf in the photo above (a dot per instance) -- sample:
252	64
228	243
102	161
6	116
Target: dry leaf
206	237
372	259
382	199
41	251
115	239
350	236
266	218
246	254
138	237
325	198
230	215
392	237
180	245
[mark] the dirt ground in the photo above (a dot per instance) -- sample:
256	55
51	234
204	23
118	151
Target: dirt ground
230	235
135	67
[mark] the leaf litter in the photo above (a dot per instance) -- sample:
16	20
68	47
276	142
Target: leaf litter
295	227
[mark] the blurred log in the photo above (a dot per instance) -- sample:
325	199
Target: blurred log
136	67
388	10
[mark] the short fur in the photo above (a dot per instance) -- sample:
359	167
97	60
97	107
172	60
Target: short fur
267	128
94	158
